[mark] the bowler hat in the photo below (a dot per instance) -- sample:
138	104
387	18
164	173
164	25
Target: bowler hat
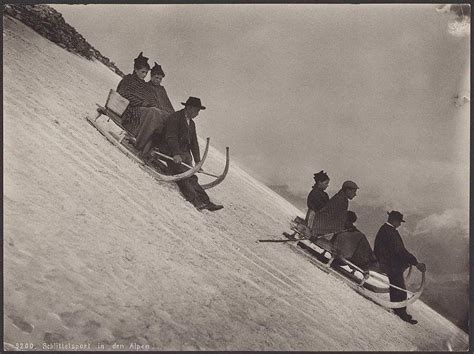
395	215
195	102
350	184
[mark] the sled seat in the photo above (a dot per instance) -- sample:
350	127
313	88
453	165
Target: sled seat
114	108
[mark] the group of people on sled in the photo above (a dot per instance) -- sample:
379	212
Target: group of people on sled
331	216
152	120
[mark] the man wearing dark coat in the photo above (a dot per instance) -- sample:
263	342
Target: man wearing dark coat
179	141
394	258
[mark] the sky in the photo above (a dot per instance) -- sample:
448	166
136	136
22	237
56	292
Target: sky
365	92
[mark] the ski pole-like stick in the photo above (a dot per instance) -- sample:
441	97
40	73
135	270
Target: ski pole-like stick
185	164
289	240
306	238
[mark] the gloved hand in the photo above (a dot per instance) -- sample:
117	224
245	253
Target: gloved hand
177	159
421	267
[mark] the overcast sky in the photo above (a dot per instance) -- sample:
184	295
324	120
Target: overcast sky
365	92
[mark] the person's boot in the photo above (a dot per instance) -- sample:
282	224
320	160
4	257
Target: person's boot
407	318
213	207
198	204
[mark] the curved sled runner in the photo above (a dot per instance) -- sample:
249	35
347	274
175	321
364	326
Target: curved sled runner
220	178
369	283
118	142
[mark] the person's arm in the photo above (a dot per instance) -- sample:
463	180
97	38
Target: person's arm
129	90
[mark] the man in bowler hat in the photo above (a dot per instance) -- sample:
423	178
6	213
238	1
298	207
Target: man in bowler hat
394	258
180	141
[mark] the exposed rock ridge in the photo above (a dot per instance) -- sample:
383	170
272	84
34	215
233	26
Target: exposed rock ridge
50	24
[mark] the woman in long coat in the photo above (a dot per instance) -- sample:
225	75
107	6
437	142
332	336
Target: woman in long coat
153	123
317	198
134	88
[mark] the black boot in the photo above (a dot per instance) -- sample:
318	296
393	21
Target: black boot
407	318
213	207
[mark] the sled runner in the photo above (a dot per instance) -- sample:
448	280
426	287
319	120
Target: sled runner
218	179
371	284
114	109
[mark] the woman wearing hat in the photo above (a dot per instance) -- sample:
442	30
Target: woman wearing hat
317	198
134	88
153	121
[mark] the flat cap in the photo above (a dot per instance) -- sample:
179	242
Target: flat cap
350	184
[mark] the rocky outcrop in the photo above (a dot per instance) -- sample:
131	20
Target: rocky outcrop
50	24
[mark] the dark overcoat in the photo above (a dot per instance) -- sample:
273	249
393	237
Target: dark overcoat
179	138
390	251
161	99
317	199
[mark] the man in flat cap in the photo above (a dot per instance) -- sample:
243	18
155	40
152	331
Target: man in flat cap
332	217
179	141
394	258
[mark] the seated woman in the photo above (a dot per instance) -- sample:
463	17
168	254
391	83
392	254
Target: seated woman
352	245
152	124
134	88
317	198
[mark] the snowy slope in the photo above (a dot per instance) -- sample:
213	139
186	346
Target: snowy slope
97	252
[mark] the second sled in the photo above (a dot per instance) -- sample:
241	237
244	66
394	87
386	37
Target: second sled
371	284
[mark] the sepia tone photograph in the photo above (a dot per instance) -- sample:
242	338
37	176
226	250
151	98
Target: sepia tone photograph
236	177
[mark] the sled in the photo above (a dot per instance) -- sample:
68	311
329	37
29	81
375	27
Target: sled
371	284
114	108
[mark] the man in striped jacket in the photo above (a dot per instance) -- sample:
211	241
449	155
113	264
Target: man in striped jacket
332	217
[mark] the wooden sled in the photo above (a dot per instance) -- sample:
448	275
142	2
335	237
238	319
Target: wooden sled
371	284
114	108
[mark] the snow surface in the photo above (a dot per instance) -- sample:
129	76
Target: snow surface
98	252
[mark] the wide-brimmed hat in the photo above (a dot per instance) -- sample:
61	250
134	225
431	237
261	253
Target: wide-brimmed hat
157	70
395	215
195	102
